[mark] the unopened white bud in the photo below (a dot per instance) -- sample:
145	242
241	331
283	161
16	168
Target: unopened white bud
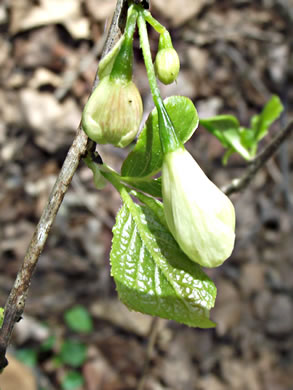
199	215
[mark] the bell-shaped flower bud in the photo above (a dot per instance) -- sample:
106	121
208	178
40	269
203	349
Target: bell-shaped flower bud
113	113
167	64
199	215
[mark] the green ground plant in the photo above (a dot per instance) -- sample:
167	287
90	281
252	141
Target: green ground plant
67	352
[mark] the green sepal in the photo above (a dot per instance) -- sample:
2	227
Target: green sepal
122	67
169	140
106	63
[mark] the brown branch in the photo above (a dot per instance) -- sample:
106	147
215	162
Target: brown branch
16	301
241	183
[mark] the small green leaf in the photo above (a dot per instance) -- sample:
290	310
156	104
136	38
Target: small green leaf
72	380
226	156
152	274
220	124
233	137
227	129
57	361
146	157
73	353
79	319
27	356
48	344
247	137
271	111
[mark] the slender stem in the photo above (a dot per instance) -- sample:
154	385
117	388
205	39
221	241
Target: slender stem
153	22
165	41
16	301
113	180
169	140
144	42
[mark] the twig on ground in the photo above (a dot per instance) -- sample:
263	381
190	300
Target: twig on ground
259	161
153	335
16	301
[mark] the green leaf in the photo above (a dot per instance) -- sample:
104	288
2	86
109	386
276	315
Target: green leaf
146	157
233	137
152	274
73	353
219	125
271	111
247	137
227	129
72	380
79	319
48	344
155	205
27	356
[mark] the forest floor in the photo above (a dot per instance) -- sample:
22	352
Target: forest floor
234	55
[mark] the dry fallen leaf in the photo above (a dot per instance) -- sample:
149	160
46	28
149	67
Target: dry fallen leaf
178	12
43	76
17	376
114	311
67	12
52	122
100	9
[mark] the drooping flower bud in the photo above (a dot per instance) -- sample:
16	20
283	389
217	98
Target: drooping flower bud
167	64
113	113
199	215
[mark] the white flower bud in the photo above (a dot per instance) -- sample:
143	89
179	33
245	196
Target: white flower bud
199	215
113	113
